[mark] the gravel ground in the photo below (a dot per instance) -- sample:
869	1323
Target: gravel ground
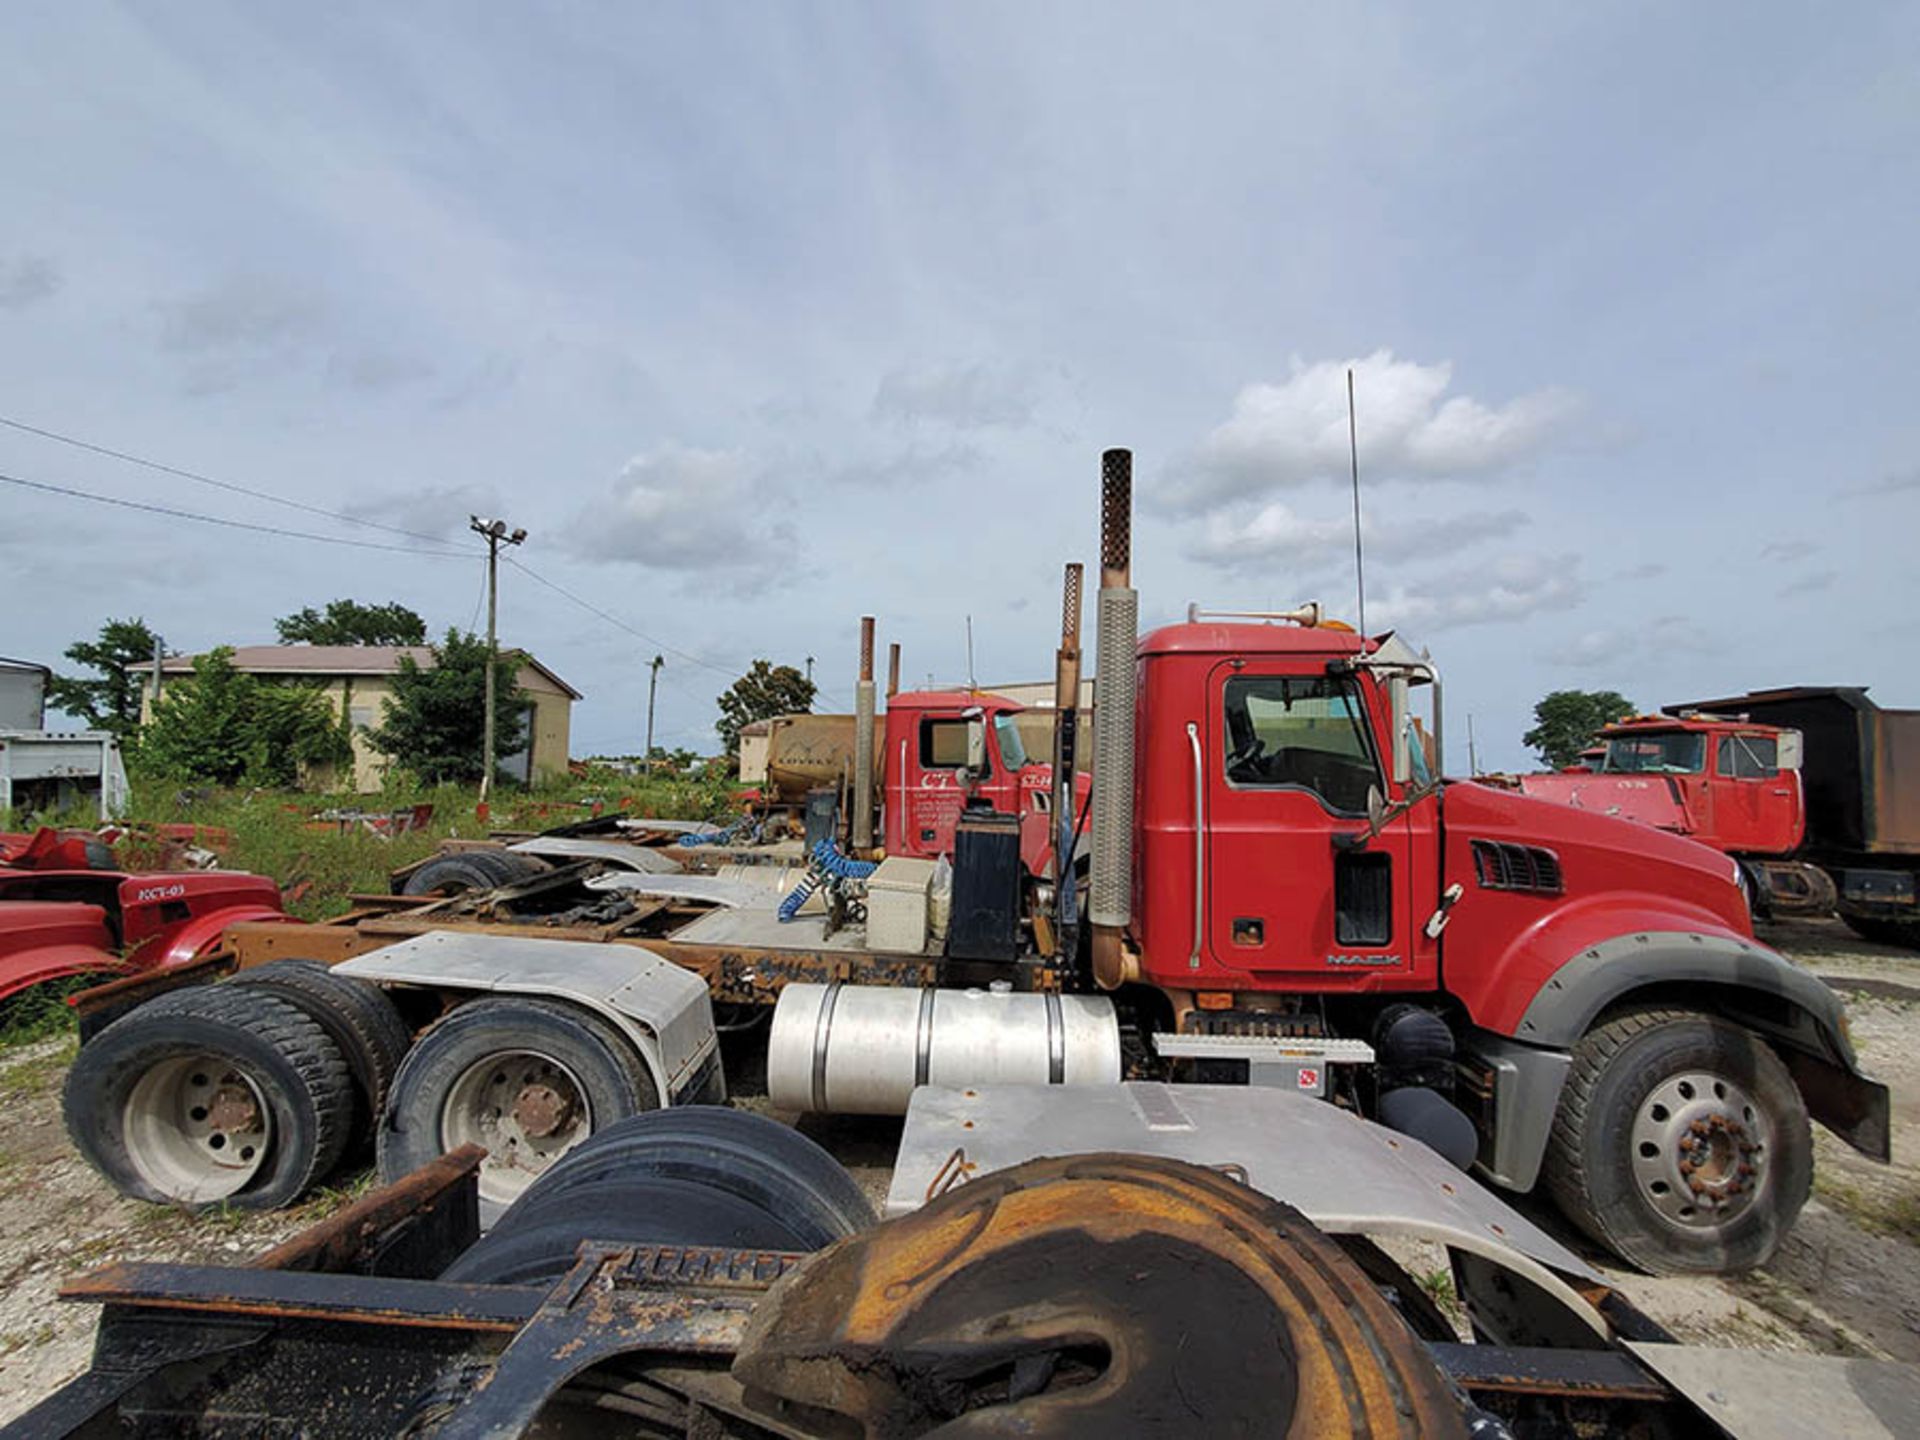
1847	1281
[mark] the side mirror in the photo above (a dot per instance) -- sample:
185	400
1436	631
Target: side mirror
1402	753
1376	809
1790	751
976	744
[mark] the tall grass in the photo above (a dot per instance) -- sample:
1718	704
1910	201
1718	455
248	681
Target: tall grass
320	864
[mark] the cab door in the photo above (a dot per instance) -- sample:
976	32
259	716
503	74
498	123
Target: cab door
1288	762
1758	810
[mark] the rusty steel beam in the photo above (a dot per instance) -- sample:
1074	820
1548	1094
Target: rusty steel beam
351	1238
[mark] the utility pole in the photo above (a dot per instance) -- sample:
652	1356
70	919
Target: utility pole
809	669
495	533
653	683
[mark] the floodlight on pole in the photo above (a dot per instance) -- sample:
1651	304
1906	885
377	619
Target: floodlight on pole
496	534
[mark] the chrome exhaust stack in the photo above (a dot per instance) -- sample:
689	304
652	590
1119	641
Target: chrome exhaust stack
863	742
1117	625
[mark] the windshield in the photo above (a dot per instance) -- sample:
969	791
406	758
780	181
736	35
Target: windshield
1674	752
1013	752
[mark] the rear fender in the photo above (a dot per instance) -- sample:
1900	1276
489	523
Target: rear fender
1724	975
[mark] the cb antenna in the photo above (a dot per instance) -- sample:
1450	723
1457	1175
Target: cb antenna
1359	560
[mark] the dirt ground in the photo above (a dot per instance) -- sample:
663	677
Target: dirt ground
1847	1281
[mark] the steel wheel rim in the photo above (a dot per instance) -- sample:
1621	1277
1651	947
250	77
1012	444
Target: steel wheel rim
197	1128
525	1108
1700	1147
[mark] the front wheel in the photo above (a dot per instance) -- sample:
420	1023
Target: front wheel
1681	1143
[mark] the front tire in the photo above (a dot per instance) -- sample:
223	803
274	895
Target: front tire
528	1079
1681	1143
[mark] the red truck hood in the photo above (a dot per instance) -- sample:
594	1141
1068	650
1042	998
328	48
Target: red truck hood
1598	853
1650	799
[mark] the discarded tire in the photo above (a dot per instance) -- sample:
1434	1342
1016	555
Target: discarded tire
527	1079
700	1175
464	870
357	1016
211	1094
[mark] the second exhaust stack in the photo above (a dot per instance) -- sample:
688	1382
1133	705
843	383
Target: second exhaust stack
1117	624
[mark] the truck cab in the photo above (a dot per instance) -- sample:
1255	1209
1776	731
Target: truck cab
1727	783
945	750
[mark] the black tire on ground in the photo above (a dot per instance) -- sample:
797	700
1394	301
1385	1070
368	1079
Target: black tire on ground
463	870
357	1016
643	1209
268	1074
1885	930
1639	1086
469	1073
764	1184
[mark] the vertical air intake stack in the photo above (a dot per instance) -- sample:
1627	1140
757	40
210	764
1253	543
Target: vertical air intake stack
863	741
1066	734
893	669
1116	633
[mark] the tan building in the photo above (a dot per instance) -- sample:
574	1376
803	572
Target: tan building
359	678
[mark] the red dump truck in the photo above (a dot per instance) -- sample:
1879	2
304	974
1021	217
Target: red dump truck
1280	892
1816	791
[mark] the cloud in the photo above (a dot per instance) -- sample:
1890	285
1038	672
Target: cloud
1511	588
372	371
905	468
27	280
967	397
1646	570
439	510
1809	584
1787	551
1896	484
1289	433
247	314
1614	646
715	513
1276	533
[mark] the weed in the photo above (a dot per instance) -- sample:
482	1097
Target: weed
41	1010
1438	1284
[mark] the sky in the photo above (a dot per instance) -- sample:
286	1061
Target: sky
761	317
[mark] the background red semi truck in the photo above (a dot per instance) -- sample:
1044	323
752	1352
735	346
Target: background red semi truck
1815	790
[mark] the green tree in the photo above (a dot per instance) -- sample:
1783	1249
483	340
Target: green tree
766	690
1566	721
111	701
225	726
435	723
348	622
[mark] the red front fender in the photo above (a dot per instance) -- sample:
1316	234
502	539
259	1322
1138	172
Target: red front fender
1497	989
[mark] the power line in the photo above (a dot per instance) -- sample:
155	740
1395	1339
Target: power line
226	485
230	524
614	620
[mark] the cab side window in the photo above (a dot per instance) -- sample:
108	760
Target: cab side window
1749	757
943	744
1307	733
